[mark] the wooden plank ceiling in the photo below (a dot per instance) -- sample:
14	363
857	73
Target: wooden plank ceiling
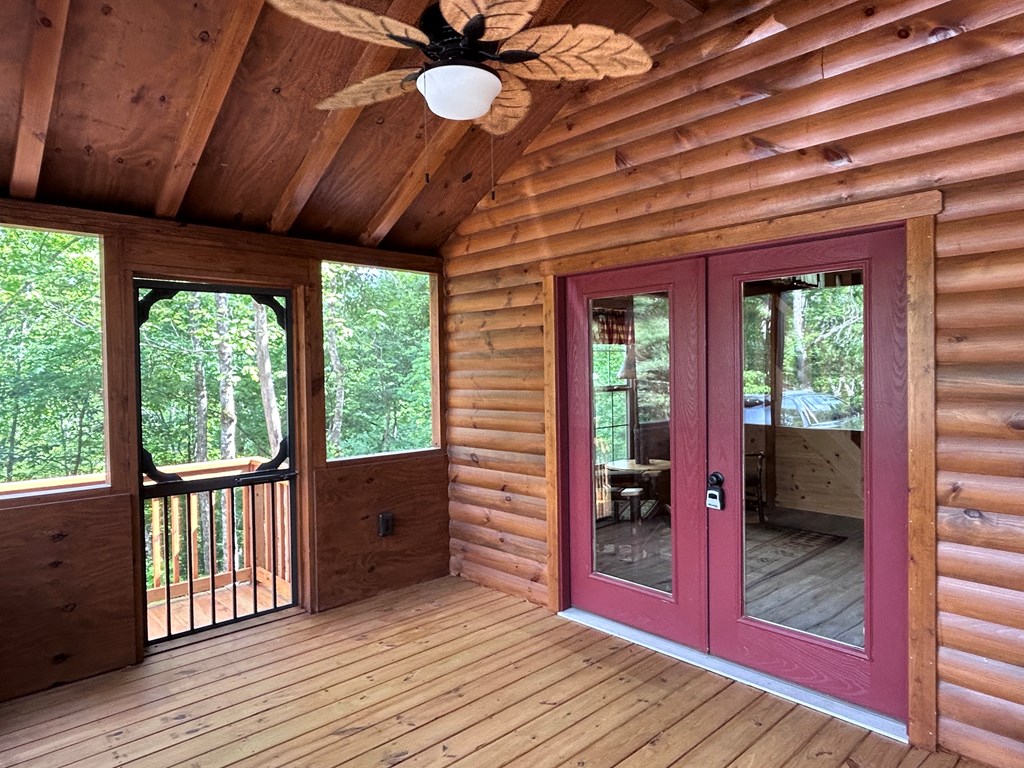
204	112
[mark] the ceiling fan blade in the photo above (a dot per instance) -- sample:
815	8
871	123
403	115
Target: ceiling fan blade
387	85
352	22
509	107
565	52
502	18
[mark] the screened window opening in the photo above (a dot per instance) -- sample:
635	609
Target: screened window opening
377	360
51	369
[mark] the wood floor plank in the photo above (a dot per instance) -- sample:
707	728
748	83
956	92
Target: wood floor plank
549	721
477	736
781	742
829	747
446	673
59	703
878	751
616	745
916	758
617	714
195	694
438	720
729	741
355	671
664	748
369	726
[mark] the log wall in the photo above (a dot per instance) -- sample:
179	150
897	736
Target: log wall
762	110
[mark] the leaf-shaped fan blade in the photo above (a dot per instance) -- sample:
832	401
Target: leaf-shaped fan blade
352	22
564	52
387	85
509	107
503	17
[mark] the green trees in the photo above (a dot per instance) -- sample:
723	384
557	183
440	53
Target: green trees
51	373
376	360
213	365
203	394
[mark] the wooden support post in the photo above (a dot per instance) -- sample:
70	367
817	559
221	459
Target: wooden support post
923	639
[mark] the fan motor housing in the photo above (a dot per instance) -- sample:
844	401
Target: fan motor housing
447	45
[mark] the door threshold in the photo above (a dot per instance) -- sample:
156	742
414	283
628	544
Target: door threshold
865	718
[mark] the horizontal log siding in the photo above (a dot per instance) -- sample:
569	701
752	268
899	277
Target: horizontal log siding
764	109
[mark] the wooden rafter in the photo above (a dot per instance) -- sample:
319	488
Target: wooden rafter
336	127
684	10
37	95
208	100
438	148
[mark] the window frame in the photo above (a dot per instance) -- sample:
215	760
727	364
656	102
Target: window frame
20	493
437	368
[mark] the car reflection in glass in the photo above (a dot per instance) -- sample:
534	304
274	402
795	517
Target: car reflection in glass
803	408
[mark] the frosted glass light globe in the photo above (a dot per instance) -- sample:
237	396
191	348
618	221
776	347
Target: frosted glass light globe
458	91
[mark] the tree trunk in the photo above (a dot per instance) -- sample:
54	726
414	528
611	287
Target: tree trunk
12	435
803	379
226	369
334	429
201	451
266	379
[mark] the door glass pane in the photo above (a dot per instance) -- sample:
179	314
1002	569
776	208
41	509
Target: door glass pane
803	424
630	406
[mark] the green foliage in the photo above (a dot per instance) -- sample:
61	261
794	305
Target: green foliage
51	377
180	334
377	360
822	347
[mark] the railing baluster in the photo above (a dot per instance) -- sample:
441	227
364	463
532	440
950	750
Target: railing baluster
176	538
252	573
273	545
167	570
191	570
229	512
157	541
213	558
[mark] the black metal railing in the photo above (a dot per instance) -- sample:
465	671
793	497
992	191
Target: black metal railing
220	545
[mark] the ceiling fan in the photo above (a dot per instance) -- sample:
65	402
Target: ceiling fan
477	51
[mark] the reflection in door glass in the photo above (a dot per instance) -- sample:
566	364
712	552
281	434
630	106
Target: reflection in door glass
630	407
803	428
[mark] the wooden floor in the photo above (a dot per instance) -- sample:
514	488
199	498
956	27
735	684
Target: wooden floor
445	673
232	602
821	593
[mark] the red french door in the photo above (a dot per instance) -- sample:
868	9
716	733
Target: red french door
781	371
638	547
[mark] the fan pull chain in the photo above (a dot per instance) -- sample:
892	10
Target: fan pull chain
493	195
426	138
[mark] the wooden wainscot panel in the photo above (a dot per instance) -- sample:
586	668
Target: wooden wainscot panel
67	602
819	470
352	561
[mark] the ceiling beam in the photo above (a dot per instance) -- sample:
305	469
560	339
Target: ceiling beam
216	79
336	126
439	146
37	95
684	10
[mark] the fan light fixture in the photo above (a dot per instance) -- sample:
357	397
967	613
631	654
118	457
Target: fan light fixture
458	91
477	51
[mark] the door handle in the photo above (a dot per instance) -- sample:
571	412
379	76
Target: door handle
715	498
